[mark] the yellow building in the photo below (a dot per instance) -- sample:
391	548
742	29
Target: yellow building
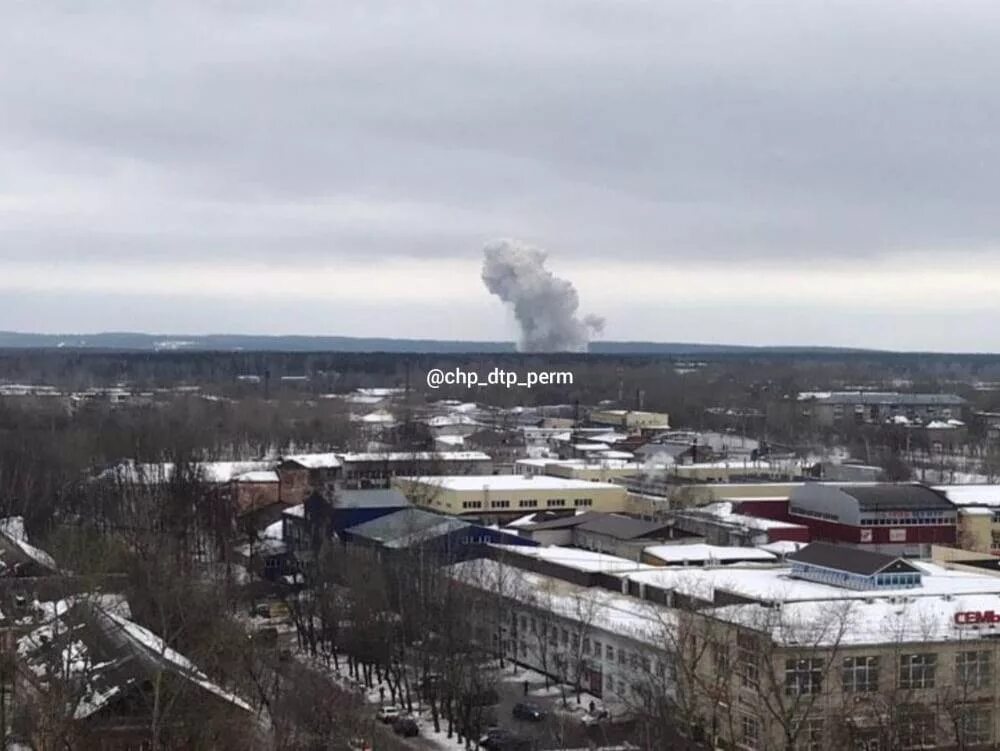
978	516
509	495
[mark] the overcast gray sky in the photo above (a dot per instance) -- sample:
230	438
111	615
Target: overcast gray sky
772	172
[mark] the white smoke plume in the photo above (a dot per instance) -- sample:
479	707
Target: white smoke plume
545	306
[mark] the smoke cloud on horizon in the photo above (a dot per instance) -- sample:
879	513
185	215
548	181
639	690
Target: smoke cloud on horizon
545	306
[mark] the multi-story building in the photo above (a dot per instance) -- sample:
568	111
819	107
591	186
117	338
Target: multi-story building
839	408
504	497
839	649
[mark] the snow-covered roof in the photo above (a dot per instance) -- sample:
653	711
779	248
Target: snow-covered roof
314	461
298	511
91	650
380	391
443	421
604	610
260	475
509	483
378	417
775	583
701	552
211	472
971	495
723	511
450	440
782	547
416	456
582	560
879	620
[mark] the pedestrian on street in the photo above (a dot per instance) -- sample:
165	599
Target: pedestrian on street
525	688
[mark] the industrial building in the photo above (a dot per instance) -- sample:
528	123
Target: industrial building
504	497
904	519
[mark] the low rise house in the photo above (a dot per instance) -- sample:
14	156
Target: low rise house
91	678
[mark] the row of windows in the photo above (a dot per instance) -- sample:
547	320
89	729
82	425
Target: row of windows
809	512
908	521
917	729
529	503
556	636
973	670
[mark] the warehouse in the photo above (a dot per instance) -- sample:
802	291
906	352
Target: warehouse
503	497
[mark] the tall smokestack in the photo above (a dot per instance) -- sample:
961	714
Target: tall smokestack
545	306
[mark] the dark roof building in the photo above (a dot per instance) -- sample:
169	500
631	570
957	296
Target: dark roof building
411	528
844	566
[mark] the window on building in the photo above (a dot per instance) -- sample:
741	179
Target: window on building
622	657
975	726
749	732
472	504
583	502
917	671
564	637
555	502
597	648
803	676
809	735
528	503
720	658
917	729
747	665
974	669
860	674
610	653
499	504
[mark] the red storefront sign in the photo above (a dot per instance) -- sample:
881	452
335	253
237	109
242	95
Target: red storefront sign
976	617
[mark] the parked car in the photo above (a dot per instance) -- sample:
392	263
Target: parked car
406	727
525	710
499	739
388	714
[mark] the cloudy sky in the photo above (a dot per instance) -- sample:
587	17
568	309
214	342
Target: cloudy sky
779	172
